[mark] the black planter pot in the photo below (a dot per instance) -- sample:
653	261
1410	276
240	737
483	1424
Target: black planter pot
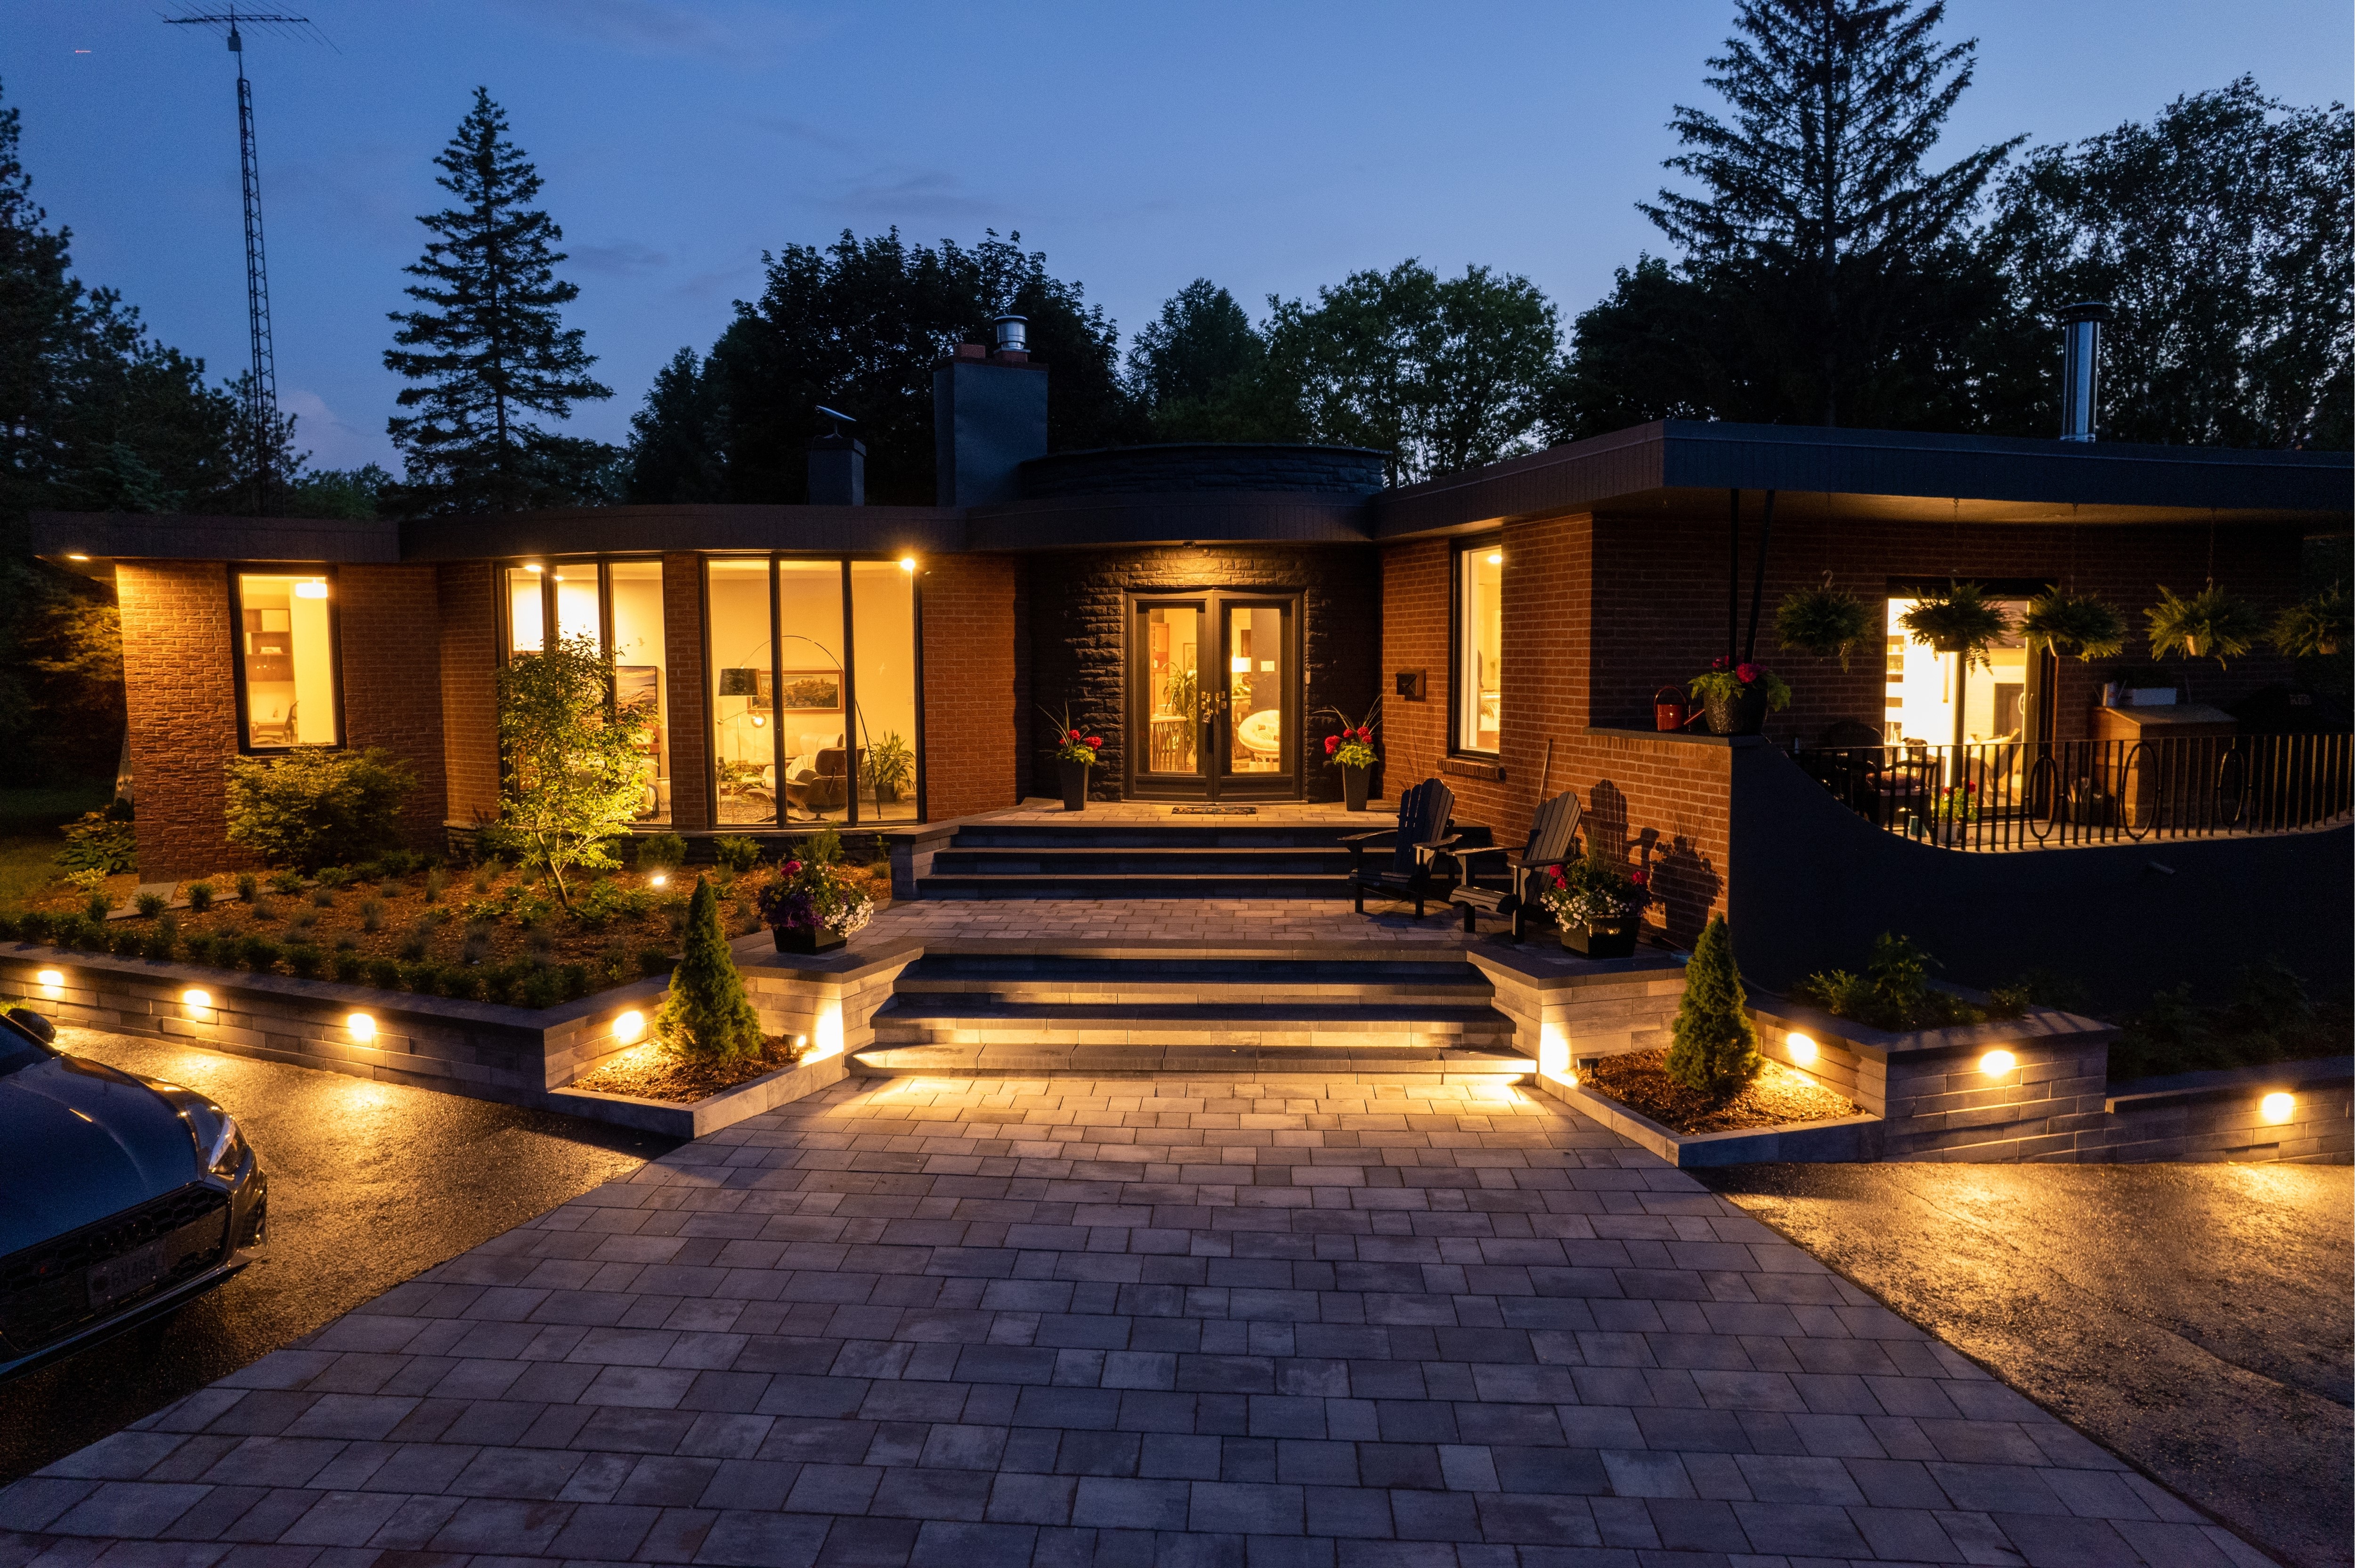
1745	715
801	940
1603	939
1353	787
1075	785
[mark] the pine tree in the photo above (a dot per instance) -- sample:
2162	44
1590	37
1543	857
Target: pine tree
1715	1049
490	348
1819	215
705	1013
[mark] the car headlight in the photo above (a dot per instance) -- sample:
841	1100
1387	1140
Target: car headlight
226	1153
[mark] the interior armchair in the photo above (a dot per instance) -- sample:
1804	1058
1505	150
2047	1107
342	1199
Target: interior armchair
825	786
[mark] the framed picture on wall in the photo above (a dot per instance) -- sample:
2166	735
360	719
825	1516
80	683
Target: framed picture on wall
638	686
811	691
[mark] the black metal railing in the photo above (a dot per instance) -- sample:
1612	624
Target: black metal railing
2022	795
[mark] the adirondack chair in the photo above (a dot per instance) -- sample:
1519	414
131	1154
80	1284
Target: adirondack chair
1423	821
1552	842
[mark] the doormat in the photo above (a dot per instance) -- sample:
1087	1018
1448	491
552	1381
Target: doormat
1214	810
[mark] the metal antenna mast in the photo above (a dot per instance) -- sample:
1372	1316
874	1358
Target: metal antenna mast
262	389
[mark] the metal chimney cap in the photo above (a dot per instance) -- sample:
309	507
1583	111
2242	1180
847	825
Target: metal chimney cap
1013	333
2087	311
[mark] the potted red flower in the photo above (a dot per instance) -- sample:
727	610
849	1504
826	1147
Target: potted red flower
1598	907
1737	697
1075	753
1352	751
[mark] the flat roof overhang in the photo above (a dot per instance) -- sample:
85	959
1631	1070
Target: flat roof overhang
1684	468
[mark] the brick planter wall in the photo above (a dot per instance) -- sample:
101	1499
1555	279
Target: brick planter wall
1079	637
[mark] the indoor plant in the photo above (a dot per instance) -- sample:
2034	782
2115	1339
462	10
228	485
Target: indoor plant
1962	621
2211	624
1738	697
812	904
1824	620
1075	753
889	768
1352	751
1598	907
2085	624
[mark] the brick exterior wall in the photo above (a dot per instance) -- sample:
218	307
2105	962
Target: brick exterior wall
388	625
690	729
1079	640
470	653
180	687
973	714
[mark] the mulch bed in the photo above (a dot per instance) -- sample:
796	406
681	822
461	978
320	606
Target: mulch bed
654	1072
1778	1097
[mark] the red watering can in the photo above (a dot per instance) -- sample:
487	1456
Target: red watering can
1669	709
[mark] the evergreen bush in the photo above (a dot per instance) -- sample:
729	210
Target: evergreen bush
1715	1051
317	807
705	1013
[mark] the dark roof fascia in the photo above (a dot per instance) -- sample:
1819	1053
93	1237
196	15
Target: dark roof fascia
172	535
2021	479
1078	521
653	530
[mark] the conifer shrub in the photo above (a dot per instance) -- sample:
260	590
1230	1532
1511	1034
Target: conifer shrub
705	1015
1715	1048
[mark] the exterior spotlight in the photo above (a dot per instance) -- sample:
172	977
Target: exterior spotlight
71	557
534	567
1802	1049
2277	1106
195	998
1496	558
659	879
630	1027
1553	1053
51	978
1996	1064
907	563
311	587
362	1026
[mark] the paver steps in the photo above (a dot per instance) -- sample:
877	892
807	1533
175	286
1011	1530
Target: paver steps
1149	860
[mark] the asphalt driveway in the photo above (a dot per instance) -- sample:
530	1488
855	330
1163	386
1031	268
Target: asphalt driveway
2193	1319
370	1183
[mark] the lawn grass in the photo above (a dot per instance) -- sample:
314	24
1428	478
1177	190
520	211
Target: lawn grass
29	841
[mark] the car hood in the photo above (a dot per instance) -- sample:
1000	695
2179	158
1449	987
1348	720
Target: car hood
79	1141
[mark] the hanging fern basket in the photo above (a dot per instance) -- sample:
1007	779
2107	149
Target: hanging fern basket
1962	621
2209	624
1826	621
2083	625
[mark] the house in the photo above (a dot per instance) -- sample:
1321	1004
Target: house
1208	610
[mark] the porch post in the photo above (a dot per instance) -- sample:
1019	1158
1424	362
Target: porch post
1758	580
1733	576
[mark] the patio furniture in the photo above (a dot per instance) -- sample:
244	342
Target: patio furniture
1423	823
1553	835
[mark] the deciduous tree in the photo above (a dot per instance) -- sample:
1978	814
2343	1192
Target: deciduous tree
574	764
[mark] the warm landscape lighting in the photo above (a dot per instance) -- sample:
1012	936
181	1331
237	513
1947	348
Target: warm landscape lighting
1996	1064
1803	1050
907	563
2276	1107
630	1027
311	588
362	1026
51	978
1553	1053
195	998
658	880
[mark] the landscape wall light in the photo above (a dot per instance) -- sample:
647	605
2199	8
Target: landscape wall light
1553	1053
1996	1064
828	1031
1803	1050
362	1026
630	1027
2277	1106
51	978
197	1001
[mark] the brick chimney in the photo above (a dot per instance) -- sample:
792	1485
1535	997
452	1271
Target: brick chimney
990	416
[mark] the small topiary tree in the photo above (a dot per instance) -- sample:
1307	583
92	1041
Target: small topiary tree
1716	1048
705	1013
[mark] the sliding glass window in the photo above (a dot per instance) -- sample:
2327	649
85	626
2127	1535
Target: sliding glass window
1478	690
743	691
286	661
883	689
617	607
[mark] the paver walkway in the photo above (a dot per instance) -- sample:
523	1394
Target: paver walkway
1133	1321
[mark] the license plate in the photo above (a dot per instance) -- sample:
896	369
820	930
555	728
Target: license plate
120	1278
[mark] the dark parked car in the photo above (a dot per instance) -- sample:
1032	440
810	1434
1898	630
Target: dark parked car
122	1198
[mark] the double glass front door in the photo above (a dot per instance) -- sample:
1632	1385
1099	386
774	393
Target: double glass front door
1213	697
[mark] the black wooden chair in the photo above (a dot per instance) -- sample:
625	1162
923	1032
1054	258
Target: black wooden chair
1552	842
1423	821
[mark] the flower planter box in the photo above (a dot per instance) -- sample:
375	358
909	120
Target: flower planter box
1075	785
807	940
1602	939
1745	715
1354	781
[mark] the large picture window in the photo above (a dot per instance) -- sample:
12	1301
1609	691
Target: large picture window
1478	685
814	691
618	605
286	661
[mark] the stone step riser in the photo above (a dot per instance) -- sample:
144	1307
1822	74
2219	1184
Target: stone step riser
985	1033
1131	888
1081	835
1136	863
1141	1064
1139	991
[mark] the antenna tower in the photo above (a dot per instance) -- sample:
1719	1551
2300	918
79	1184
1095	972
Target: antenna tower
262	388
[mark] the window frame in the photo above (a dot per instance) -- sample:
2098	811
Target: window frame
238	572
503	631
1457	697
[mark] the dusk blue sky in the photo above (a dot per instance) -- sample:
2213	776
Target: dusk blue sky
1272	147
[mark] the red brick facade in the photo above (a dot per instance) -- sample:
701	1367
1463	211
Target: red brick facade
469	653
971	717
181	689
387	622
690	765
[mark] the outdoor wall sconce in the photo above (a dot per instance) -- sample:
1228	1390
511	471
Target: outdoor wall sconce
630	1027
52	979
2277	1106
195	1001
1496	558
362	1026
1803	1050
1996	1064
534	567
907	563
313	588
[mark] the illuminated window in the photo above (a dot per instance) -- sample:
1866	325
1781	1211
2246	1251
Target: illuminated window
1478	686
635	591
286	660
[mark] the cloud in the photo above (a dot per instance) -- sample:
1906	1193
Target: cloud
908	196
622	259
739	34
331	441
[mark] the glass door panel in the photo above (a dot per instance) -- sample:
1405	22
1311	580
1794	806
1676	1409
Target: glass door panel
1173	690
1257	723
